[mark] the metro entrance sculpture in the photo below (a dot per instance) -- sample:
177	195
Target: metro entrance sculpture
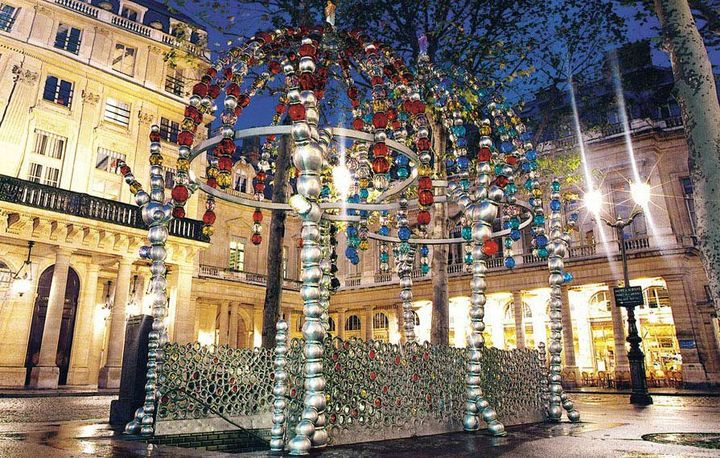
382	169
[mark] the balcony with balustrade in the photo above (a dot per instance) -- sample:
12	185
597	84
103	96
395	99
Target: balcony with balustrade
218	273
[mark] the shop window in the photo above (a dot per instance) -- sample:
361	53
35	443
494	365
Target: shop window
600	302
352	323
656	297
380	321
8	14
124	59
58	91
68	38
237	254
108	161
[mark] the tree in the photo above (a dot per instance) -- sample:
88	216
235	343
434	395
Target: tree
697	95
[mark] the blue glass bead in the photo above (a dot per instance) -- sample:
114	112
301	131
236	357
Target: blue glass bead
526	167
424	250
541	241
468	258
384	230
507	147
506	225
425	269
542	252
526	136
364	213
498	169
384	257
508	242
350	252
368	118
555	205
449	163
465	184
514	222
528	184
402	172
355	260
462	142
500	129
511	188
574	216
556	186
567	277
510	263
401	159
364	193
404	247
351	231
466	233
404	233
515	234
463	162
539	220
354	241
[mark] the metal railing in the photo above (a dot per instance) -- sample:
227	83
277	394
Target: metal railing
31	194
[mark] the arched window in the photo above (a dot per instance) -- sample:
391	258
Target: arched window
417	318
600	302
352	323
380	321
299	324
655	297
5	278
331	325
510	311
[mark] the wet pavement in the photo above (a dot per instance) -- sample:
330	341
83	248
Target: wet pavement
77	427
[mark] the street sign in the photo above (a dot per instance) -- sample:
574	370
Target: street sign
628	297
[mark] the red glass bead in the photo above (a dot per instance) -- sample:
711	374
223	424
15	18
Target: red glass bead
274	67
263	37
502	181
306	82
259	187
211	71
423	217
209	218
380	149
270	138
296	112
154	136
376	81
352	92
200	89
228	73
212	182
185	138
243	100
213	91
227	145
280	108
425	183
490	247
373	375
225	163
380	165
418	107
233	89
193	113
358	124
391	114
396	125
319	94
124	169
180	193
307	50
423	144
511	160
378	402
238	110
355	103
484	154
261	176
257	216
379	120
425	197
178	212
256	239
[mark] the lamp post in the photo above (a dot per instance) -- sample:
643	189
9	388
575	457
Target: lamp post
593	201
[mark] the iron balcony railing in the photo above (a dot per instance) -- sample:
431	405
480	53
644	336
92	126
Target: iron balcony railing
31	194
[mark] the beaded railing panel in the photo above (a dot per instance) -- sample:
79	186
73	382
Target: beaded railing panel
387	390
198	379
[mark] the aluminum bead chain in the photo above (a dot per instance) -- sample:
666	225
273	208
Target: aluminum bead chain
280	390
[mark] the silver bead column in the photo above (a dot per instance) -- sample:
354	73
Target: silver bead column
482	215
557	250
404	262
156	213
280	389
307	158
326	266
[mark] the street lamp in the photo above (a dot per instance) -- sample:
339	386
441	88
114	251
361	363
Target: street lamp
22	282
628	297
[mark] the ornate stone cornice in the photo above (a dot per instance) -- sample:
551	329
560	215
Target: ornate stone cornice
24	76
145	117
90	98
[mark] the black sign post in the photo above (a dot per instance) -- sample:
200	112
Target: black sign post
631	296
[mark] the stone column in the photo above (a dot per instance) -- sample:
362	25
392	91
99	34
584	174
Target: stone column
233	338
82	338
686	323
341	323
619	335
568	337
518	312
185	306
369	313
497	330
110	374
257	325
46	373
224	321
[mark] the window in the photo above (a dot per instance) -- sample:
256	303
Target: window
175	82
331	324
299	324
380	321
623	207
129	13
169	130
124	59
687	189
241	181
117	111
237	254
108	161
8	13
417	318
50	145
670	109
44	174
58	91
600	302
656	296
169	177
352	323
68	38
284	262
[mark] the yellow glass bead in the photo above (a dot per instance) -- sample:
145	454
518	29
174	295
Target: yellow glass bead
424	170
537	192
224	179
135	187
364	245
212	172
183	164
208	231
188	125
363	393
156	159
378	105
485	130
